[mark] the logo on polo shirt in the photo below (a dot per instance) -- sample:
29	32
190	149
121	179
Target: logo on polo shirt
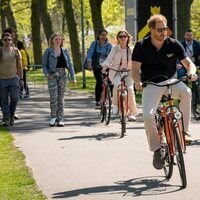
169	55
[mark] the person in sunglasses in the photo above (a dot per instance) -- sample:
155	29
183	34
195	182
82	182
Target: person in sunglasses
152	57
11	77
119	59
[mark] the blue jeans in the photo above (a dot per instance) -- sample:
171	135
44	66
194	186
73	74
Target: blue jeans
8	105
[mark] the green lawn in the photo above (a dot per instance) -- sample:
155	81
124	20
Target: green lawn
37	77
16	182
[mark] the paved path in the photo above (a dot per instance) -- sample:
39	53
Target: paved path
86	160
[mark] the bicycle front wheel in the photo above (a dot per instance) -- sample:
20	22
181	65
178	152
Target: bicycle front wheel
196	110
179	154
123	122
107	109
166	156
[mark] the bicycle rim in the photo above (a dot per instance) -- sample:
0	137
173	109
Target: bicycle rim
108	106
196	110
123	123
179	156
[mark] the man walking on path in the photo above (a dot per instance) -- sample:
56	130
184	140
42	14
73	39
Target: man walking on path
11	75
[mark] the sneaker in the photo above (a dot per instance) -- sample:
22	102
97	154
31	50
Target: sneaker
188	138
131	118
115	110
97	106
26	96
60	124
52	121
16	116
157	161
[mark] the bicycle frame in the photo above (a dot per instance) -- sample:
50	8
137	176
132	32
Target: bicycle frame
171	138
168	115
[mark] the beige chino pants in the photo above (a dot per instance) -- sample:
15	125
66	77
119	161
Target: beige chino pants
150	101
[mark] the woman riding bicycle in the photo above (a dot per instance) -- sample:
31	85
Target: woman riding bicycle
120	58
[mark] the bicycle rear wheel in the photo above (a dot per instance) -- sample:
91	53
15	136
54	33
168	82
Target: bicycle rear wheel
123	122
107	109
179	154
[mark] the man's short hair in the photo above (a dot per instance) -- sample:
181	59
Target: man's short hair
9	30
188	30
154	19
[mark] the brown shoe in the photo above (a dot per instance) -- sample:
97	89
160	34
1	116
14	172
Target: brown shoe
188	139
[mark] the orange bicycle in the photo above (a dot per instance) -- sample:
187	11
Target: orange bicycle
171	132
122	99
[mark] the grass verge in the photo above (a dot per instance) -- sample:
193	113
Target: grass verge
16	182
38	78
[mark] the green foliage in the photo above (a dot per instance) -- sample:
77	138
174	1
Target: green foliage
15	178
195	20
113	13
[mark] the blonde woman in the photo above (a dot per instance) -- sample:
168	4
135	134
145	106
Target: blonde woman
55	61
120	58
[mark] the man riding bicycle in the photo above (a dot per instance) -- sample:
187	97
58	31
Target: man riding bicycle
154	56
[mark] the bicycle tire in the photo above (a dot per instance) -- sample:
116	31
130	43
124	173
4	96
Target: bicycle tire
179	155
107	109
196	110
102	111
123	123
168	159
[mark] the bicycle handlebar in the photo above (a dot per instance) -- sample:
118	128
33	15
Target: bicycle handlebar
165	85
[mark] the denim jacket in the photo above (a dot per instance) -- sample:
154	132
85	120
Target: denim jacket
49	62
102	50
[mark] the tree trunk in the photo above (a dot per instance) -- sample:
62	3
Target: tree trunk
2	15
183	15
46	20
97	21
35	29
73	35
9	14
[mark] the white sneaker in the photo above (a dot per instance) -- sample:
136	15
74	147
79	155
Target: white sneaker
52	121
60	124
131	118
115	110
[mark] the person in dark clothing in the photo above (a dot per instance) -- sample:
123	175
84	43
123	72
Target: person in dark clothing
97	53
152	57
192	48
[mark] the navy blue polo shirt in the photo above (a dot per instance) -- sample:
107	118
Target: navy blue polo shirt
157	62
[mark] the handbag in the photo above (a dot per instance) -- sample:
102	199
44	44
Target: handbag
95	57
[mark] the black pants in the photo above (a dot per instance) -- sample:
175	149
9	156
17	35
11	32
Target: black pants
98	87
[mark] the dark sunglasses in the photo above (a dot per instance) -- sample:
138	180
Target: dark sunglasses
160	30
6	40
122	36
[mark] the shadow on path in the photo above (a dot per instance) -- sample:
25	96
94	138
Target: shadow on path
144	186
